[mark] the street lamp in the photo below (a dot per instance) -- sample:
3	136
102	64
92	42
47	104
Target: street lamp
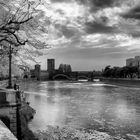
10	67
10	52
4	51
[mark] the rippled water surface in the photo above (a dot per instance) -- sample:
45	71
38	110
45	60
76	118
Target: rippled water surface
97	105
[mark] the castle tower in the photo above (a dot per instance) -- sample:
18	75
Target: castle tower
37	71
51	65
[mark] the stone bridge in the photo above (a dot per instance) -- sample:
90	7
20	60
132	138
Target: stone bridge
75	75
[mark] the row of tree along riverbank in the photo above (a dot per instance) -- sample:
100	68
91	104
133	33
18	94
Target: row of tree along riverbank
121	72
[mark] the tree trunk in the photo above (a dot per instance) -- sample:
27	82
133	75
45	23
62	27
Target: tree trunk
10	69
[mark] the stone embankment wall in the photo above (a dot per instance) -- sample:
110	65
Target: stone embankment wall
8	109
26	114
16	113
13	120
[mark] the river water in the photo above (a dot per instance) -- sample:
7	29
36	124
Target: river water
104	107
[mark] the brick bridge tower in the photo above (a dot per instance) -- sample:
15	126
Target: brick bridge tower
37	71
51	67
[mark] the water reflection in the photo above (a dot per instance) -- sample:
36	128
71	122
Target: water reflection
123	112
98	105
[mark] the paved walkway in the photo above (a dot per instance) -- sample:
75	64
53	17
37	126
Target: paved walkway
5	133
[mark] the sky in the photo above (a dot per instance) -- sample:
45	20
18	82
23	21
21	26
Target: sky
91	34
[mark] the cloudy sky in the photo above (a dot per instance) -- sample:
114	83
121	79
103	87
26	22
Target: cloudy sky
90	34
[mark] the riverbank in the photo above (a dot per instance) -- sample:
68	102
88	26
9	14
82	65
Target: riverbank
122	82
67	133
26	115
4	83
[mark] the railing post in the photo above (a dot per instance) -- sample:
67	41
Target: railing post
18	102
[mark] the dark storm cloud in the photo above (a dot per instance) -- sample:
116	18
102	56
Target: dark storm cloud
133	13
132	28
96	4
61	0
135	34
99	4
102	3
95	27
66	31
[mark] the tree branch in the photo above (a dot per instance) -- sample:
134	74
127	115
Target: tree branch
19	22
13	43
16	37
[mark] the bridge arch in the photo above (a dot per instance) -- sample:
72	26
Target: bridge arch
61	76
25	76
83	77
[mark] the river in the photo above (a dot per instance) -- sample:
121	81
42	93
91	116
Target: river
104	107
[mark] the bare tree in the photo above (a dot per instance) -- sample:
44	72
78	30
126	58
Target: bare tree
21	22
22	29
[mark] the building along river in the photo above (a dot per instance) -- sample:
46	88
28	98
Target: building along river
96	105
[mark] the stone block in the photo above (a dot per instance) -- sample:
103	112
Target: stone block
13	121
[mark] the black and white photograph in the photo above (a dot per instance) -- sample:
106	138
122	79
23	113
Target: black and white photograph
69	69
